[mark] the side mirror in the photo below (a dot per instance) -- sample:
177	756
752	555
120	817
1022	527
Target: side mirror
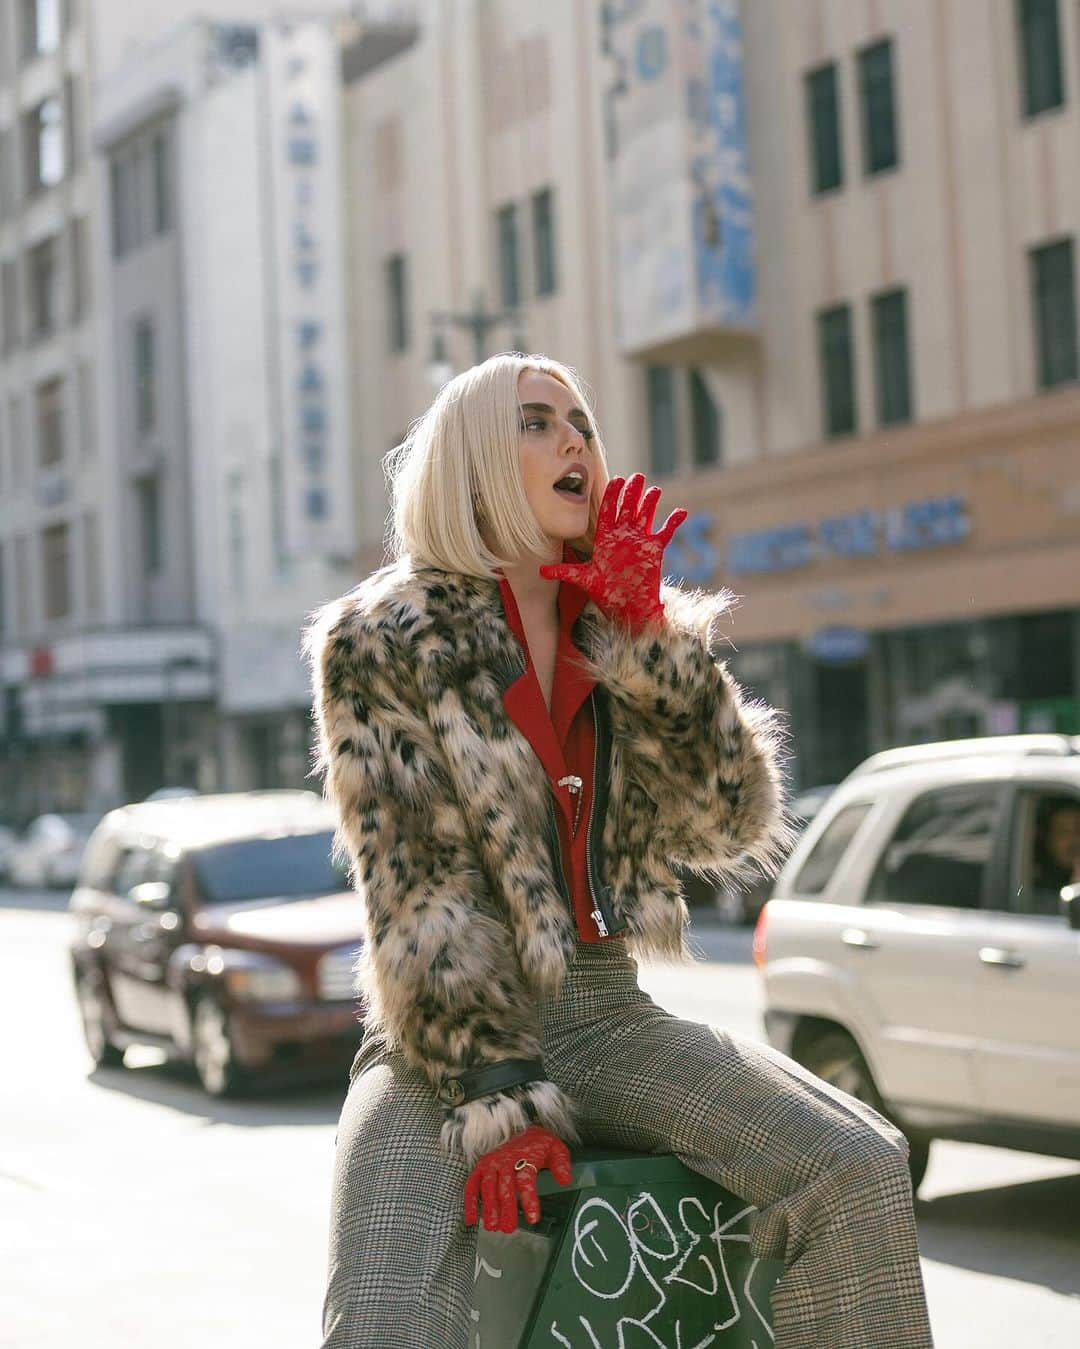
152	894
1070	905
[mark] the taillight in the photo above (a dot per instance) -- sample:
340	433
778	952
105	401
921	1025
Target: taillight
760	947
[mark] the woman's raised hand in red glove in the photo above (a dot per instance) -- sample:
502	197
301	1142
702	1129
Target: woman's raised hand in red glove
508	1172
623	574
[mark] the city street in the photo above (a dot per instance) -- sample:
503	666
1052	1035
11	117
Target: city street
134	1211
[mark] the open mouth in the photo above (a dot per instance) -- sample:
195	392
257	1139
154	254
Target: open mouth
573	485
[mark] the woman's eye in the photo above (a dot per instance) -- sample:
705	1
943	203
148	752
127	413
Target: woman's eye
534	422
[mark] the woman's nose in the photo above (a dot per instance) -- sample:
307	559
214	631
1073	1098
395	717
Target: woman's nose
574	439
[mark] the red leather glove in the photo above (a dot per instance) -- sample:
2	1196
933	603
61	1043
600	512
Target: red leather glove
623	574
499	1179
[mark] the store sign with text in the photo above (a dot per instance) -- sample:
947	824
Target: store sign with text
916	526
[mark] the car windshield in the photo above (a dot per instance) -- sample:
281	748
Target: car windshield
295	866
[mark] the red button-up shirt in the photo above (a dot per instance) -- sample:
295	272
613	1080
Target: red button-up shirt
564	739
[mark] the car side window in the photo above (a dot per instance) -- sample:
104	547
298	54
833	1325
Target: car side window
941	849
1045	850
131	870
826	854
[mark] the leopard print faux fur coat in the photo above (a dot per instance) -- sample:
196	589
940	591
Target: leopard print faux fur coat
441	803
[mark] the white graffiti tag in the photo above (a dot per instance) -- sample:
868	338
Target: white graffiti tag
672	1269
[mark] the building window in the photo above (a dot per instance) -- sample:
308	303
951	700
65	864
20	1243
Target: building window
24	584
145	365
148	505
660	385
162	195
836	358
237	544
43	139
40	23
92	563
134	202
9	307
79	261
85	381
118	201
397	303
880	148
72	123
892	371
56	570
1042	85
8	187
1054	307
49	411
543	228
43	278
16	443
509	270
823	118
705	422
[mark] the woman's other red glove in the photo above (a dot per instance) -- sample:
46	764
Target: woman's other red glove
500	1180
623	575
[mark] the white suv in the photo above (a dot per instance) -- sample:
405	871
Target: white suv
922	946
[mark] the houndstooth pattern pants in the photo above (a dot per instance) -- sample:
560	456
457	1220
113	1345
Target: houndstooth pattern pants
827	1173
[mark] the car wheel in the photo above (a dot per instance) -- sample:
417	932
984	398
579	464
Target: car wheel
835	1057
212	1048
94	1023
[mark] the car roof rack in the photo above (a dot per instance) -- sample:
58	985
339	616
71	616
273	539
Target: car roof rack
940	751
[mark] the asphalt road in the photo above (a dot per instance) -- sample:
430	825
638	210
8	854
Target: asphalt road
136	1212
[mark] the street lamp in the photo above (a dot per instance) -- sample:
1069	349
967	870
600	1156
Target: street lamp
479	321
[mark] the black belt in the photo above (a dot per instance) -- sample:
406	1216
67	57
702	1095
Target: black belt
491	1077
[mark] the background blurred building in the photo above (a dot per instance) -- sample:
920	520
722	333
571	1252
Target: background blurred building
152	577
816	261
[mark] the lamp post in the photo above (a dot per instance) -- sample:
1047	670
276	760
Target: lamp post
479	321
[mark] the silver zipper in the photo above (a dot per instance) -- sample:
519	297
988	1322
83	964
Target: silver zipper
594	889
574	785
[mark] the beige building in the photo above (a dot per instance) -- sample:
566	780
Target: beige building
818	263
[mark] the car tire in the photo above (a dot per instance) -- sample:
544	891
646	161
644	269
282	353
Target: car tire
92	1014
212	1049
836	1058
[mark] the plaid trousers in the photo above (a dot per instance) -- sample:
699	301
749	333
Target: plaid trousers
827	1173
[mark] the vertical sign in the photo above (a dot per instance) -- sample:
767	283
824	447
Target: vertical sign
305	139
680	168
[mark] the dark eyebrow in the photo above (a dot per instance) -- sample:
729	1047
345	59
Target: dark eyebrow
546	407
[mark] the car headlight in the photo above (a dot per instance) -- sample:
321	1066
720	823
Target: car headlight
336	977
264	980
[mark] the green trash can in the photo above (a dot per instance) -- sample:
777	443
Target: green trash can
638	1252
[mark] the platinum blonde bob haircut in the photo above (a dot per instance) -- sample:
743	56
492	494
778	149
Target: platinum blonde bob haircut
458	472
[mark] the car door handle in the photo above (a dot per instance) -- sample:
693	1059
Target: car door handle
855	936
998	955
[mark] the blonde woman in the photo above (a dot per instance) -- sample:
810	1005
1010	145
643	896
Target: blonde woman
523	731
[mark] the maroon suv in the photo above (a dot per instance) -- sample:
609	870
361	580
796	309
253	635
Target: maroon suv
221	929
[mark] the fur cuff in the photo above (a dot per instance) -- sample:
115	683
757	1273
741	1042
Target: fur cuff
478	1126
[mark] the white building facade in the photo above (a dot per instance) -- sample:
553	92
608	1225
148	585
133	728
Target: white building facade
174	464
